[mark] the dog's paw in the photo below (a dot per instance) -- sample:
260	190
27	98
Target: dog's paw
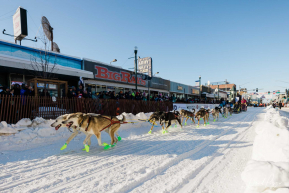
86	147
64	146
118	138
107	147
150	132
185	123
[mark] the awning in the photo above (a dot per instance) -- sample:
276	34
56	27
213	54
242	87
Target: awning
131	86
13	62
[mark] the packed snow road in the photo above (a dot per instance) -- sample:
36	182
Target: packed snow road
205	159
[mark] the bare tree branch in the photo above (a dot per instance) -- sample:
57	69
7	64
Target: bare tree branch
43	64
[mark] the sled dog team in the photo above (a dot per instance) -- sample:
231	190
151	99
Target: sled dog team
93	124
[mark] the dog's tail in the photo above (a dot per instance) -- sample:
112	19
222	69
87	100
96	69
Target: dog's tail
123	119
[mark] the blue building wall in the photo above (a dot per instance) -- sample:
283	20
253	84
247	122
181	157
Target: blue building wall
23	52
174	87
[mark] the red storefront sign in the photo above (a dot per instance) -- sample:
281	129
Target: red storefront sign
126	77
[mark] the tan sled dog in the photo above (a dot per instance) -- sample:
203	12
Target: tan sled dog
202	113
215	113
93	125
187	114
58	123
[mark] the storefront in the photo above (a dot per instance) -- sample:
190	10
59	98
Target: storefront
17	66
179	90
112	78
194	93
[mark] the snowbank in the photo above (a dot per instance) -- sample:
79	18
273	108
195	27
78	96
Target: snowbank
268	171
28	134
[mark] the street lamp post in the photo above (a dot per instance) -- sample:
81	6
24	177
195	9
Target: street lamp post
114	60
200	87
218	92
135	61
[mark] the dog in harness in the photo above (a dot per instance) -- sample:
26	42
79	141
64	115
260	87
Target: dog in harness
154	118
94	125
74	129
188	115
202	114
167	118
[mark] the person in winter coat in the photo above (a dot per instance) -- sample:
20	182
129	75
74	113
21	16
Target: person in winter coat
23	90
280	105
45	93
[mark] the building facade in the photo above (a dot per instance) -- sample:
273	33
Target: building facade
17	65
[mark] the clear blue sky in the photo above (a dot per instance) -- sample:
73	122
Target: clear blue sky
241	41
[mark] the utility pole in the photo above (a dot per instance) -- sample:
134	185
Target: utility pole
135	60
218	92
200	87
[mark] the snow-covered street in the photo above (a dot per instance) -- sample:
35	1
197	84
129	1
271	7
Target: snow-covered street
207	159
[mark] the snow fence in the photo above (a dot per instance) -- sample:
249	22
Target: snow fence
268	170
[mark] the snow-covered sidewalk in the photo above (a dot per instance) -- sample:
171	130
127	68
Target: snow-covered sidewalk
204	159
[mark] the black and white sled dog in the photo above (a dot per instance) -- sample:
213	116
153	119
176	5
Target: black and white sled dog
167	118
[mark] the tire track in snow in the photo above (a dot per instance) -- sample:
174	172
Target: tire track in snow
185	155
91	161
198	175
117	155
136	183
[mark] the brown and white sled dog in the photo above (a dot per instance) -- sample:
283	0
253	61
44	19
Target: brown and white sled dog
75	130
215	113
226	111
231	111
154	118
187	114
202	114
93	125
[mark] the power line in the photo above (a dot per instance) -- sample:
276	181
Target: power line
5	18
126	60
7	13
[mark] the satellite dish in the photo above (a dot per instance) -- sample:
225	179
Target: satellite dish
55	48
47	29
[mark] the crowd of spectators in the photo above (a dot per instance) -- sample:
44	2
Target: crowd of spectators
73	92
23	90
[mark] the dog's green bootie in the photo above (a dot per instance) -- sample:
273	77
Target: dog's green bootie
118	138
175	125
201	119
104	144
64	146
198	126
165	131
208	123
214	120
185	123
150	132
113	145
107	147
204	124
86	147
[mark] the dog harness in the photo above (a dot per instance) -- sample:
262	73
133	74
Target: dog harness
88	122
112	122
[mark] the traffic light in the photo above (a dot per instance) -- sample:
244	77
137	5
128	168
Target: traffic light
256	89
